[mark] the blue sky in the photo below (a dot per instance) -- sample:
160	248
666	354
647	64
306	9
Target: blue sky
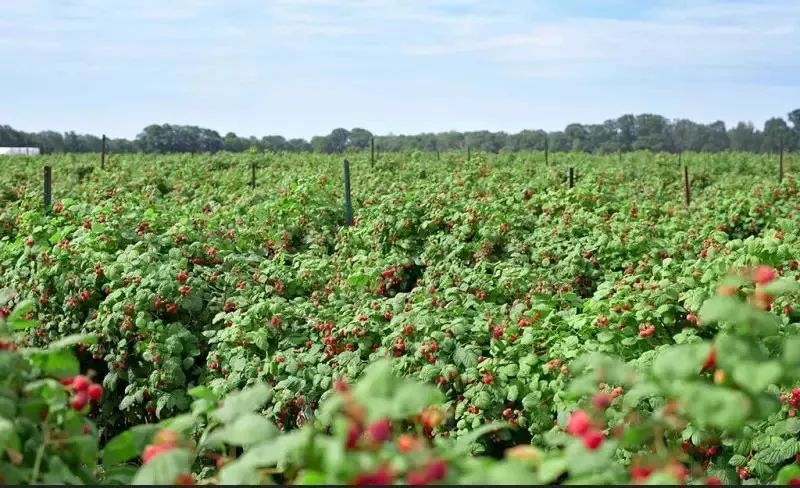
303	67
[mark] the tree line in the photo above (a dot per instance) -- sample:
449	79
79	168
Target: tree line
626	133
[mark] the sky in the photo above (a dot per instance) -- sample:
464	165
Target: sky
303	67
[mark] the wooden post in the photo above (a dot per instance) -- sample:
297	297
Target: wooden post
372	150
469	156
686	192
348	204
437	155
253	174
546	151
103	154
571	179
780	162
48	188
619	152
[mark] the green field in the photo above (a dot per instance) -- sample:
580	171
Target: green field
485	288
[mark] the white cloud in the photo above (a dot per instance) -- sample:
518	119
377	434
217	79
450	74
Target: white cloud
713	34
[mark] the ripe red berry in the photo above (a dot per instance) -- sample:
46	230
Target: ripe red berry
711	359
744	473
601	400
592	439
713	481
379	431
639	474
381	476
80	383
172	308
487	379
353	433
154	450
95	392
763	275
415	478
578	423
436	470
78	401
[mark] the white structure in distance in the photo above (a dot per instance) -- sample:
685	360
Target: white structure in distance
19	151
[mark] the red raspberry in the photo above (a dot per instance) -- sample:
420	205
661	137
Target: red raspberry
592	439
80	383
578	423
95	392
79	401
379	431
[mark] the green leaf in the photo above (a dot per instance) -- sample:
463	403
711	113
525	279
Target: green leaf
240	474
513	393
20	311
242	402
723	309
791	351
682	361
465	444
465	357
118	475
756	377
311	477
780	287
552	469
788	473
22	324
164	468
605	336
772	455
59	363
8	435
715	406
412	398
246	430
128	444
203	393
72	340
180	423
583	461
269	453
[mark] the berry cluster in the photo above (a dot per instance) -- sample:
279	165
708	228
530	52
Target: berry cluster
84	391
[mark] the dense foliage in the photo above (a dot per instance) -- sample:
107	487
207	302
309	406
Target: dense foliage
629	132
600	334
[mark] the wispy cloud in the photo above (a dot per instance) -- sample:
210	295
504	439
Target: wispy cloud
301	67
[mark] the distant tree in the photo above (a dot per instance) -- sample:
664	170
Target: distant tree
744	137
274	143
234	143
775	129
358	139
578	138
48	141
298	145
717	137
653	133
559	142
794	118
626	132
